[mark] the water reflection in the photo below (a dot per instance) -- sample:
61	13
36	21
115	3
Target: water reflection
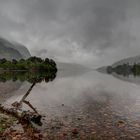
25	117
93	103
29	77
125	75
22	76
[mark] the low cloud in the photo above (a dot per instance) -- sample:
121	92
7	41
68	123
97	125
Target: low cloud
89	32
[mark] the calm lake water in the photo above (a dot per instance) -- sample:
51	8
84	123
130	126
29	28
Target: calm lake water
94	103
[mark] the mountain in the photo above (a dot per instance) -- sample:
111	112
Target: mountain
70	66
70	69
102	69
7	52
22	49
11	50
130	60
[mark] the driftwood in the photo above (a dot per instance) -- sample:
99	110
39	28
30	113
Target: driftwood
23	116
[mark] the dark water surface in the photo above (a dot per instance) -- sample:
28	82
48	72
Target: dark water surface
93	103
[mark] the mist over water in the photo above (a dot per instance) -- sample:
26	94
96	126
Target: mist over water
80	36
89	32
90	96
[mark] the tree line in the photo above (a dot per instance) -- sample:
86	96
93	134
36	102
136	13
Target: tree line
125	69
31	64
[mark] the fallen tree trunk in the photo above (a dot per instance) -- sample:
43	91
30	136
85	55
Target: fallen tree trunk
25	116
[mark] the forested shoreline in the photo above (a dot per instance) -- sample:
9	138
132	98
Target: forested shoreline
125	69
31	64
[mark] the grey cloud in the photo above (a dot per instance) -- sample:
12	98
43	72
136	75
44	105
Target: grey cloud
87	22
71	27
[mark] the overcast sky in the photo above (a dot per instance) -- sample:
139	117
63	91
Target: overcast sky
89	32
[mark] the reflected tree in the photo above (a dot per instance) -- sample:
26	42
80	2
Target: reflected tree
26	118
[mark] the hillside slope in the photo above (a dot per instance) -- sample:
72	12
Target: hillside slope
22	49
10	50
130	60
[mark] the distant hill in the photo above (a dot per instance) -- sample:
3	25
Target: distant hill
130	60
22	49
70	69
70	66
11	50
102	69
